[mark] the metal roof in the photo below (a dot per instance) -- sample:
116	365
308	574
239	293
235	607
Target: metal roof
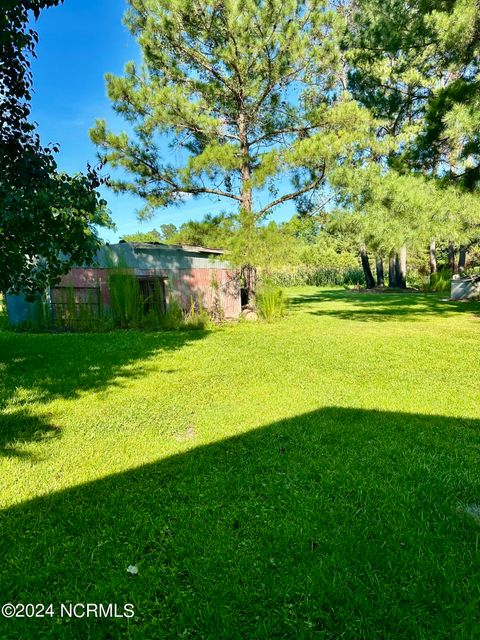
172	247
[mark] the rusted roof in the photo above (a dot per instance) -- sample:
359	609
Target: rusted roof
174	247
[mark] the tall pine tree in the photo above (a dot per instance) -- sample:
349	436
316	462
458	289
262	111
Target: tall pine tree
250	96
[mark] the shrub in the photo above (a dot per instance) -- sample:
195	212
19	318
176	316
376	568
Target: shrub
271	303
418	280
440	281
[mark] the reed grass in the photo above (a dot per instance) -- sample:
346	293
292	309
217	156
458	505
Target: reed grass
271	303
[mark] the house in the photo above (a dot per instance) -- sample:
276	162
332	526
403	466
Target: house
190	274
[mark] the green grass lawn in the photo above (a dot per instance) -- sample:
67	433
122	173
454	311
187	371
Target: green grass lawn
316	477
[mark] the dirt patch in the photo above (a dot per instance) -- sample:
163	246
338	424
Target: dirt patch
188	434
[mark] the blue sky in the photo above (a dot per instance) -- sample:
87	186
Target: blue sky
80	41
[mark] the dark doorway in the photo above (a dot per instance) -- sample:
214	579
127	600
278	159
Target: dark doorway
153	292
243	297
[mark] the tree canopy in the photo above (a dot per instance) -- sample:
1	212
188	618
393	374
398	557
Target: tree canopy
48	220
416	65
166	233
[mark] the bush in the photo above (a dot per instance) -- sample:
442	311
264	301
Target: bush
418	280
440	281
173	317
271	303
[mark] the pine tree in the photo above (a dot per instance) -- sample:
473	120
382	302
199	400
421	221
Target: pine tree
416	66
247	95
391	213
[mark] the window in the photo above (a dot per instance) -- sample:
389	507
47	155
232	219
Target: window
74	303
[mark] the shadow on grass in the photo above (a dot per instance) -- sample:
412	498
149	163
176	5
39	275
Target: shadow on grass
336	523
37	368
378	307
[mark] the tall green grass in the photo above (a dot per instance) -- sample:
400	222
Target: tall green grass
317	276
271	303
128	308
196	316
440	281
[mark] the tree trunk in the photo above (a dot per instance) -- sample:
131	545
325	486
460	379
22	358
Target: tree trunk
249	276
249	272
392	275
433	257
401	267
379	269
366	269
462	258
451	256
397	271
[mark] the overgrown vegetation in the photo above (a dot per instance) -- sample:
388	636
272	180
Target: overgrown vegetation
440	281
127	308
271	302
196	316
319	276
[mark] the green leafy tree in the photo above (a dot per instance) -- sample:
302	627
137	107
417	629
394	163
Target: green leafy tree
248	94
168	231
214	231
416	66
144	236
48	220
